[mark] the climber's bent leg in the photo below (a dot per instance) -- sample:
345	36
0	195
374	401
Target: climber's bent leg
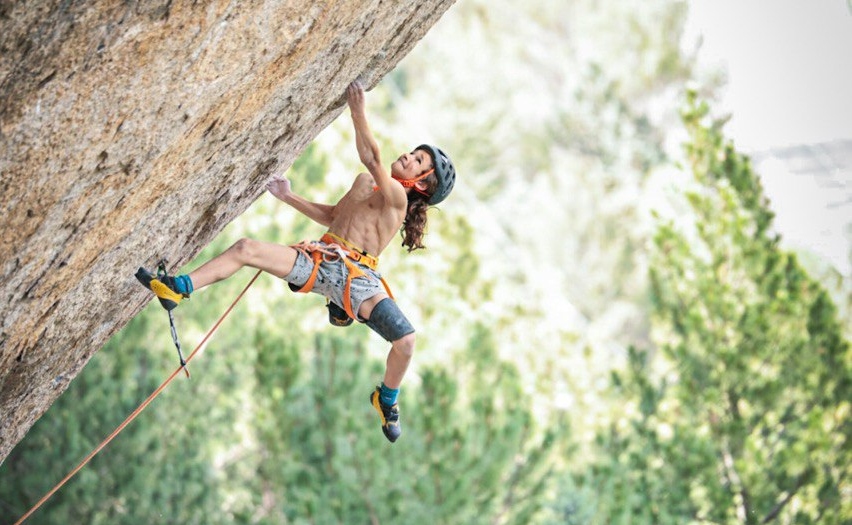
399	357
272	258
387	320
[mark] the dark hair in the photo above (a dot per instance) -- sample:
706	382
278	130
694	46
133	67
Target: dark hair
414	225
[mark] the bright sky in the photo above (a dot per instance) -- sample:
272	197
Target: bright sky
789	82
789	65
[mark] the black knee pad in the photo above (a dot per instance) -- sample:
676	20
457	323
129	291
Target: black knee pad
388	321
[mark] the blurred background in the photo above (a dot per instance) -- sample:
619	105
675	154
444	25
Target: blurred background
634	308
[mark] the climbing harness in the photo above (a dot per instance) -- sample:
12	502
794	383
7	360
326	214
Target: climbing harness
332	247
141	407
353	252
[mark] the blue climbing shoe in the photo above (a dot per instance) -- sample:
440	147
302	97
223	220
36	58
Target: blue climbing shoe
389	416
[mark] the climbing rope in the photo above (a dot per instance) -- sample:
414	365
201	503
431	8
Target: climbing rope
140	408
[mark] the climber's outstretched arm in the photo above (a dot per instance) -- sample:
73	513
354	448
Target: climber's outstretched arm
321	213
368	148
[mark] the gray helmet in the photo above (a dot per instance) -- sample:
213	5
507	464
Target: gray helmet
444	171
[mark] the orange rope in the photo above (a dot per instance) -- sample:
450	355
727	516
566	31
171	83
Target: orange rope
141	407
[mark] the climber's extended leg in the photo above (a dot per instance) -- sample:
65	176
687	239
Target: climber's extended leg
272	258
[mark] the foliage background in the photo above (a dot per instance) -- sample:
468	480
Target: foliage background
608	330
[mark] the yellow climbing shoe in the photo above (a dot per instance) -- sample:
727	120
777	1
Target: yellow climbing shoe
389	416
163	287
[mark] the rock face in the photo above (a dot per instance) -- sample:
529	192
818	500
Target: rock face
132	131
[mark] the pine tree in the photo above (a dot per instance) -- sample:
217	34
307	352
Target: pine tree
743	417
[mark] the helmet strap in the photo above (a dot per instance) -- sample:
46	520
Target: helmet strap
409	183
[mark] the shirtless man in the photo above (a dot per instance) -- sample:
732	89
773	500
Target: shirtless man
342	265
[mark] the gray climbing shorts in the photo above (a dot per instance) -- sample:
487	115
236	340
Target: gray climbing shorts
331	281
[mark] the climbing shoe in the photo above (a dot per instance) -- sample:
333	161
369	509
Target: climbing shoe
337	315
388	414
163	286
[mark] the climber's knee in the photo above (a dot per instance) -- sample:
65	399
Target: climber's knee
404	345
244	250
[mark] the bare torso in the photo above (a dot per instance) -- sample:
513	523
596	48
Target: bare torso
364	217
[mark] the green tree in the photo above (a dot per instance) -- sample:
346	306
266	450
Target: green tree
470	452
156	471
744	416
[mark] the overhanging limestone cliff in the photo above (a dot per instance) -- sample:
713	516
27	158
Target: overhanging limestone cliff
135	130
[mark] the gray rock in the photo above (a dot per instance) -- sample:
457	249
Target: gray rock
132	131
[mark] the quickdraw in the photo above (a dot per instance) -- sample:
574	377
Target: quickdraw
161	274
332	247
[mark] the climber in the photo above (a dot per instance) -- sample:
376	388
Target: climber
342	264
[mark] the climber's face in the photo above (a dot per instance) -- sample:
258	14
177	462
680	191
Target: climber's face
410	166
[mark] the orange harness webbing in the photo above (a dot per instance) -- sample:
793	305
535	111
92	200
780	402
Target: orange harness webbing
335	248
